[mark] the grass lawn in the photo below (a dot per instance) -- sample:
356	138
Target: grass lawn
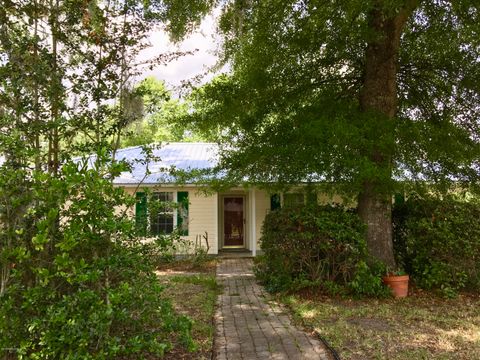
422	326
194	294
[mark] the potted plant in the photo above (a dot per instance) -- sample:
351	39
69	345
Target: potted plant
397	281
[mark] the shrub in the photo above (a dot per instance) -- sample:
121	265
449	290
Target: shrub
315	245
128	318
368	280
78	284
438	242
161	249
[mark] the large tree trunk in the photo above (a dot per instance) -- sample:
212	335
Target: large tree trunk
379	97
375	209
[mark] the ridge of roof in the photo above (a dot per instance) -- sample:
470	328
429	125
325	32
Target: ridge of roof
166	143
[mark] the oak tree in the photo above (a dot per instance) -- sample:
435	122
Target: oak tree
360	95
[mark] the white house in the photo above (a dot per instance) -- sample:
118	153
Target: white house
233	219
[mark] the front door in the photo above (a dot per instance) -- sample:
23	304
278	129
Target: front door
233	221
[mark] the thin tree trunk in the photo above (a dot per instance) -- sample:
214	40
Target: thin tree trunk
56	84
36	95
379	97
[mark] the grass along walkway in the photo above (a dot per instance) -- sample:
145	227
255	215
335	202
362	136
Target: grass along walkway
193	294
418	327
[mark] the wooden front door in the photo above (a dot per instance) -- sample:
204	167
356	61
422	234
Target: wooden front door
233	216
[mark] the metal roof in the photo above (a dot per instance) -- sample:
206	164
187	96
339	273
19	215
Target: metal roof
174	155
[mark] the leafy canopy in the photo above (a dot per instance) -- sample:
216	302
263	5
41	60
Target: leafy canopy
290	107
154	115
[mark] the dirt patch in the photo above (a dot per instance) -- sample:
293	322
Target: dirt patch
185	267
176	272
370	324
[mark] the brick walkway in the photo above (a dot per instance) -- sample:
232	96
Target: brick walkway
248	327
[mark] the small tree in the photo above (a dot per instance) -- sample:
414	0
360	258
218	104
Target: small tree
73	280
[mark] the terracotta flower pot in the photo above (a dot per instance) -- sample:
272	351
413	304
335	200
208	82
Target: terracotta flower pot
398	284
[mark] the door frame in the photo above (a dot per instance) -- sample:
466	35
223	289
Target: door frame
221	217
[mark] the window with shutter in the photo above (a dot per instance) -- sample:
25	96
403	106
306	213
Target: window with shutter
162	213
159	215
293	199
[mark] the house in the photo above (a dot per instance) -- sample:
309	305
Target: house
232	219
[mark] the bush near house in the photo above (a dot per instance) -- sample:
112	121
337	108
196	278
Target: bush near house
317	246
438	242
77	283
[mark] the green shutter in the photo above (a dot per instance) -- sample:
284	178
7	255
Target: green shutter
275	202
312	198
399	199
141	213
182	212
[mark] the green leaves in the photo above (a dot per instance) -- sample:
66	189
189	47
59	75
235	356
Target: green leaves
290	107
437	240
39	241
315	246
73	283
94	295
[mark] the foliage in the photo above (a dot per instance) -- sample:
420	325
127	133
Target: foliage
368	279
160	249
194	253
170	248
316	246
357	94
298	71
91	293
158	116
73	282
438	241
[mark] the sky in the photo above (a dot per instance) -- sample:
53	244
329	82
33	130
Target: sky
204	42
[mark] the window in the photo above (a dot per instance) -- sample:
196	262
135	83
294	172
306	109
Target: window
162	213
293	199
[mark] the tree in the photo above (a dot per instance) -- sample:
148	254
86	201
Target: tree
74	281
155	115
363	96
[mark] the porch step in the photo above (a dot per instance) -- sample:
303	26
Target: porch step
234	253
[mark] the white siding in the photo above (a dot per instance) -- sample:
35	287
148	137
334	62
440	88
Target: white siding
262	207
202	217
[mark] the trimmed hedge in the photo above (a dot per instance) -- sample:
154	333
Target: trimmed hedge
438	242
316	245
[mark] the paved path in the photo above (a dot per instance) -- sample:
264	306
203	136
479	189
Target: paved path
248	327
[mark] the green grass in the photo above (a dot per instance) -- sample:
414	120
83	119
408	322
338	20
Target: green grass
194	296
419	327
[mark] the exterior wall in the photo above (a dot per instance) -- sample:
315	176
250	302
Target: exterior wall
202	214
205	213
262	207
